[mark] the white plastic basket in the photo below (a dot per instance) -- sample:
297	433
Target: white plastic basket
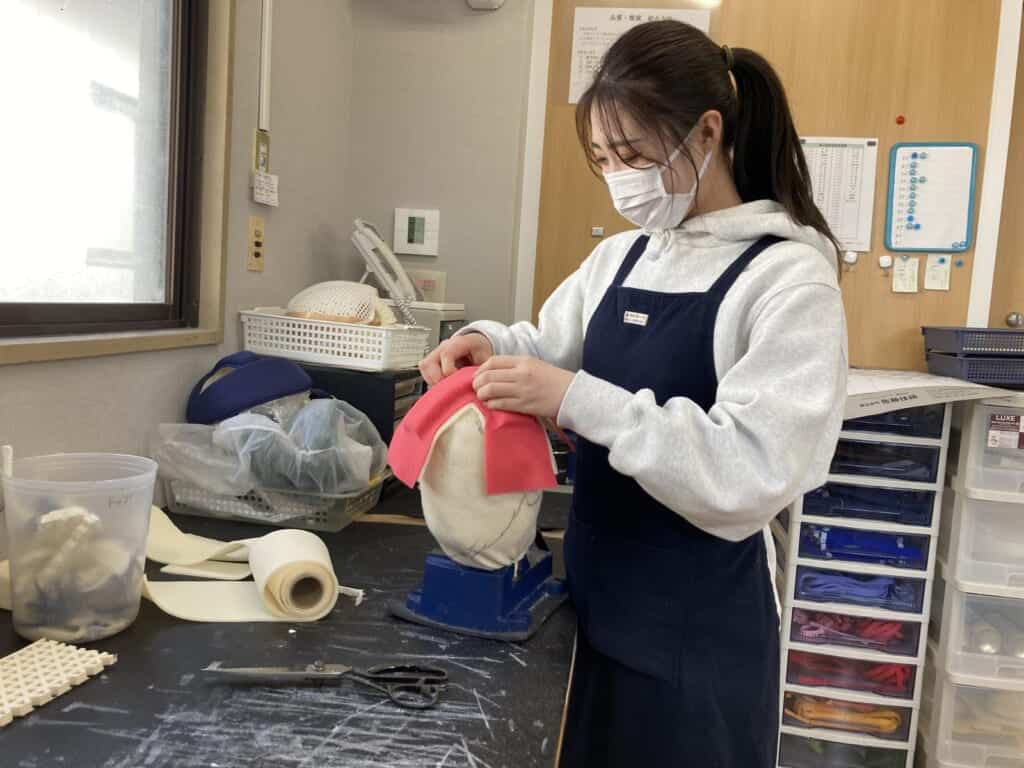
270	331
285	510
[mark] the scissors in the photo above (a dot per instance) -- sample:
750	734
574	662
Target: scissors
411	686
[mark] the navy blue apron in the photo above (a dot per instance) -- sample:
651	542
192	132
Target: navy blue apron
677	656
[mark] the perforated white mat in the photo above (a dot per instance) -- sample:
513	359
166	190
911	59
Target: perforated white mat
41	672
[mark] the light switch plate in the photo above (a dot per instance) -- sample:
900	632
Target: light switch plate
417	231
257	243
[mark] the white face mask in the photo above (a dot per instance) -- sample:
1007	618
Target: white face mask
640	196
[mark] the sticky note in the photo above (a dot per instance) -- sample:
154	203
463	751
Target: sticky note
904	274
264	188
936	272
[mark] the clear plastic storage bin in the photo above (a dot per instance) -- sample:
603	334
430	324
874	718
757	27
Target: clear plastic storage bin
989	542
970	725
985	636
899	638
915	463
886	505
993	457
804	752
833	542
823	670
924	421
894	593
881	721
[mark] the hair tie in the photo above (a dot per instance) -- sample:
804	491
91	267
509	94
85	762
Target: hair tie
727	55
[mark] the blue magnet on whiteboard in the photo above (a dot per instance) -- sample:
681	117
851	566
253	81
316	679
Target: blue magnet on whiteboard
910	218
959	262
922	179
917	226
942	259
910	226
913	179
914	155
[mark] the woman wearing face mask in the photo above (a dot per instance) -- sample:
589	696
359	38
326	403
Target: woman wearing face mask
702	362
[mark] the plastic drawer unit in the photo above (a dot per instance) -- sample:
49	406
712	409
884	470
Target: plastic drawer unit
825	671
804	752
893	593
833	542
885	505
924	421
880	721
992	450
891	461
972	725
985	542
898	638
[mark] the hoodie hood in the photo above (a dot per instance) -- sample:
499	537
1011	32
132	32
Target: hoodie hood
744	224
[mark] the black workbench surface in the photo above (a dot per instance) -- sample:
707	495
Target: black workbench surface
153	710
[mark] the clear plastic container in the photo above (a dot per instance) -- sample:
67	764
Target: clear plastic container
825	628
881	721
916	463
894	593
989	542
833	542
923	421
992	458
887	505
804	752
975	726
986	637
77	527
826	671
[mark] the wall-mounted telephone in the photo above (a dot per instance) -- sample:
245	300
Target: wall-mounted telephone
386	268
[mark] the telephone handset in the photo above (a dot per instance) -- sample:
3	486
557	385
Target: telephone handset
386	268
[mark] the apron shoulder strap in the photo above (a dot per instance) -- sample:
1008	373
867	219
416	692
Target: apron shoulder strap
632	257
734	270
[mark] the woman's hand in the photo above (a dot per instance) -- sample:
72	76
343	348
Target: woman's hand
454	353
523	385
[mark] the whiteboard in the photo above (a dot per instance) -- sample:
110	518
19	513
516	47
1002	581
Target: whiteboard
931	197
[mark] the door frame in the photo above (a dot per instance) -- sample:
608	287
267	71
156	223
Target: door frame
989	210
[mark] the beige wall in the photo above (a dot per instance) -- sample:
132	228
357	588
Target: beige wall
114	403
438	118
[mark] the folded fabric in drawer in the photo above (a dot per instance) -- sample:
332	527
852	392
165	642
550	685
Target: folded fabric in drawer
901	638
888	505
821	670
925	421
880	721
889	592
917	463
826	542
803	752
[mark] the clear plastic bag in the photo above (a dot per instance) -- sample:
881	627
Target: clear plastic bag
330	448
187	452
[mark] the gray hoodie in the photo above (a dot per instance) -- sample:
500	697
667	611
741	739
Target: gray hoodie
780	356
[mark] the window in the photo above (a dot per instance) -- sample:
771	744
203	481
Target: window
100	138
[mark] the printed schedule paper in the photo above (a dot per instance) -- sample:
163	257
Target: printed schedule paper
931	197
595	29
843	183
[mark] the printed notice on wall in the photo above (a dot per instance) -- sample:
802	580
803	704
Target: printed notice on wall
595	29
843	183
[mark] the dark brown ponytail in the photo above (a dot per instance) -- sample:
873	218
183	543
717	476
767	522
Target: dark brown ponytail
666	74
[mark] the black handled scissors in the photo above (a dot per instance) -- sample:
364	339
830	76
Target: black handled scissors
412	686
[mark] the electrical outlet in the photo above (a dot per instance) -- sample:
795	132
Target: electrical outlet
257	243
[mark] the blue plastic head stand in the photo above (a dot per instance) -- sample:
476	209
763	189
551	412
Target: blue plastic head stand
508	604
